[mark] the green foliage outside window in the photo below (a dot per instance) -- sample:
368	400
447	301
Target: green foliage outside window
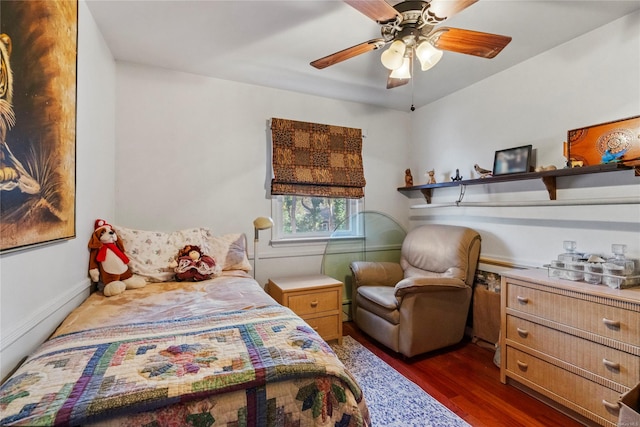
314	214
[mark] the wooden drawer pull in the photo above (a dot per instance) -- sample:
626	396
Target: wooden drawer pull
611	323
611	406
610	364
522	332
314	304
522	365
523	300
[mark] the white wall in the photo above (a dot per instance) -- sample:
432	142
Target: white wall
38	287
192	151
592	79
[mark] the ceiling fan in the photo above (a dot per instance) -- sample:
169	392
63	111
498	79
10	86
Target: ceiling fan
411	29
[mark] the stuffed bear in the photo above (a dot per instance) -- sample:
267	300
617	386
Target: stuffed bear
108	263
193	265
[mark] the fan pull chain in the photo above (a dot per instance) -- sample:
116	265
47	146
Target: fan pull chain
413	108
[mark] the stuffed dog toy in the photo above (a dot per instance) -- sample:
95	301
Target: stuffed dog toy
108	263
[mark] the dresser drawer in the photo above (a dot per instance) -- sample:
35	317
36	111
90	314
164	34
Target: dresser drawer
314	302
609	363
598	318
556	382
327	326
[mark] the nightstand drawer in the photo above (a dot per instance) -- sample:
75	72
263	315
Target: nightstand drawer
610	363
314	302
326	326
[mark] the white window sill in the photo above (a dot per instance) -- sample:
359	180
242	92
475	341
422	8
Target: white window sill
311	240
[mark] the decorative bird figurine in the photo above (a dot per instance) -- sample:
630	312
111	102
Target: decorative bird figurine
609	157
484	173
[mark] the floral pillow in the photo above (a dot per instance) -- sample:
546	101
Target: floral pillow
229	250
151	253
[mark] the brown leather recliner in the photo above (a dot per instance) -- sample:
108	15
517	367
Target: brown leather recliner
422	303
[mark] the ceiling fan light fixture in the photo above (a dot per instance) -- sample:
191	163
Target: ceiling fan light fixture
428	55
393	57
410	29
404	72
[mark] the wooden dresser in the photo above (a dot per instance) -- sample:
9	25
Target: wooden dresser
574	343
317	299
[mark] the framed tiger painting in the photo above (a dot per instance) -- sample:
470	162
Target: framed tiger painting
38	48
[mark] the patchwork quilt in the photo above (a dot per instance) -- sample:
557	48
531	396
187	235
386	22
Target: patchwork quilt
253	366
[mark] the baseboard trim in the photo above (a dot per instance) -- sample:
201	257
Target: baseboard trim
44	313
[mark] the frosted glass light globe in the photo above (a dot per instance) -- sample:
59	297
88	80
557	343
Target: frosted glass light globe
392	57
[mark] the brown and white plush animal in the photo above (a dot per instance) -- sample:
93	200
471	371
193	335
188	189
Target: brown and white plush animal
108	262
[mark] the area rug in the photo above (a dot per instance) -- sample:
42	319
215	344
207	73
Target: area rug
393	400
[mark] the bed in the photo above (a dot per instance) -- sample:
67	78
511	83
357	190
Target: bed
219	352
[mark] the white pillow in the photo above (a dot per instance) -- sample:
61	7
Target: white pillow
151	252
229	250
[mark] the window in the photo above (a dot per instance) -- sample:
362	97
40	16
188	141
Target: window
303	217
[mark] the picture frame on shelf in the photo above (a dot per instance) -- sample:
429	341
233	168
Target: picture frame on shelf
610	142
512	160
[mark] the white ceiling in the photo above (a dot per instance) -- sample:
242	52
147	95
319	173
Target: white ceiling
270	43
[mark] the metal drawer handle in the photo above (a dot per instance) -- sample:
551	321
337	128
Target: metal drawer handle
522	365
522	332
610	364
611	323
523	300
314	304
611	406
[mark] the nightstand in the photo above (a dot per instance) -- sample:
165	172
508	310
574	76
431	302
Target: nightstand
316	298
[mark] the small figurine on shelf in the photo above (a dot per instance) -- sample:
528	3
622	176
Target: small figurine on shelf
457	177
408	178
575	163
484	173
431	178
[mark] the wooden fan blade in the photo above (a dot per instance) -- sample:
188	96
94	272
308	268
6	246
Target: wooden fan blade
448	8
469	42
378	10
391	82
350	52
395	82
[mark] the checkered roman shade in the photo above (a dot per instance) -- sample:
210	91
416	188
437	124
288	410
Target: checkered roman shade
311	159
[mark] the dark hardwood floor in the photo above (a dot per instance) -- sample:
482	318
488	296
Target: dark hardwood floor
465	380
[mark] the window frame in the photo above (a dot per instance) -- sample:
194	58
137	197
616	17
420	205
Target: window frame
356	231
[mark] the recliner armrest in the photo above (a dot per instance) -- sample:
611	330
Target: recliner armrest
367	273
427	284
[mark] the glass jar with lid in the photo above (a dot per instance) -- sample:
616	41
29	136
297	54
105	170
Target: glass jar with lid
570	253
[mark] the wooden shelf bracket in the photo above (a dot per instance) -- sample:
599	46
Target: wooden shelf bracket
427	193
550	183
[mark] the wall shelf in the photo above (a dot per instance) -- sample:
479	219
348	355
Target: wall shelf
547	177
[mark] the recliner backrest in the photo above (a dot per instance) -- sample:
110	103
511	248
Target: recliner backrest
441	251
